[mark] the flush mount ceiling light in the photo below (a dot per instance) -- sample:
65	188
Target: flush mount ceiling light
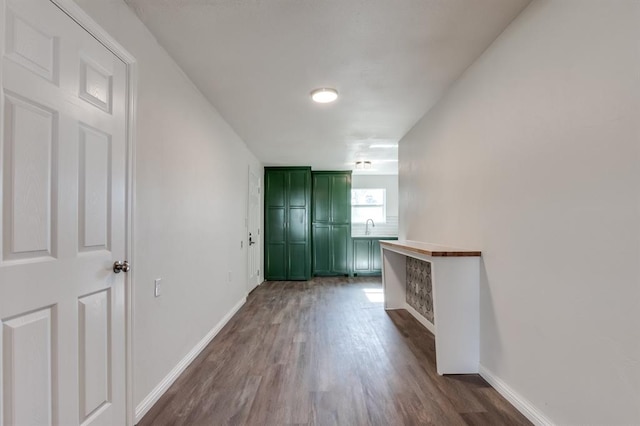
383	145
324	95
360	165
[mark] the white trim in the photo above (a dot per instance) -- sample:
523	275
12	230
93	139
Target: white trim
81	17
527	409
165	383
251	285
131	207
75	12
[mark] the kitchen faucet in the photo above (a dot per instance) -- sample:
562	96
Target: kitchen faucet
367	231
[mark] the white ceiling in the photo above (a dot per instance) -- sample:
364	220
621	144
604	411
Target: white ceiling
258	60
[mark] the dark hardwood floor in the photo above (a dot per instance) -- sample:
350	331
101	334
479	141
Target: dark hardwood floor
325	352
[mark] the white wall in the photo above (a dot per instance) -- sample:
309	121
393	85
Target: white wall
192	183
533	157
390	184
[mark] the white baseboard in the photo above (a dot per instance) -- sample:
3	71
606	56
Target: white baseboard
523	405
165	383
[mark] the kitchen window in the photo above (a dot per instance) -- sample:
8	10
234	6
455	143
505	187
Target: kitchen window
368	204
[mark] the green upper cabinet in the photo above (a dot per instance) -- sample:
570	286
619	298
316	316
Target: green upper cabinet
332	197
341	198
287	200
331	223
321	198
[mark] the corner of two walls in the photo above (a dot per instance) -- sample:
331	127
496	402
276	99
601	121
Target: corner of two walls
191	205
533	157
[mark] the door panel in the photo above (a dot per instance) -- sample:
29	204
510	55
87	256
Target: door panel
376	256
29	173
298	189
276	261
31	47
276	223
361	255
321	198
63	221
340	238
341	198
93	200
298	258
297	226
95	366
321	247
27	353
275	184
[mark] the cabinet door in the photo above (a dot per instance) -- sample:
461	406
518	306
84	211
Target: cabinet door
298	262
341	198
376	256
321	198
298	226
299	188
275	185
275	229
287	223
361	256
340	237
321	249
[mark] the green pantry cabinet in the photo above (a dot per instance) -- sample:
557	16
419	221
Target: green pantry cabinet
308	227
287	233
367	258
331	214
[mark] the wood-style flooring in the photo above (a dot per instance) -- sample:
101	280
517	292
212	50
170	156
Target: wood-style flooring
324	352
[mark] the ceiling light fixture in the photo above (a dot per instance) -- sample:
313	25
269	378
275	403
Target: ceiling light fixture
324	95
383	145
360	165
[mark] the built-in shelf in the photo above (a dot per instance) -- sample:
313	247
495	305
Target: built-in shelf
453	280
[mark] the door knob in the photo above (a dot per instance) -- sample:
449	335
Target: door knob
121	267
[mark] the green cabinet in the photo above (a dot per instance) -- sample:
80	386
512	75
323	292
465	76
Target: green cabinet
367	256
331	249
331	223
287	232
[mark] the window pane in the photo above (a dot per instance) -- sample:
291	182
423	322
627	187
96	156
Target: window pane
368	204
368	197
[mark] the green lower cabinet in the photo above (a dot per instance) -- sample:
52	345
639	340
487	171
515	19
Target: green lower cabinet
331	249
366	256
341	237
361	256
321	250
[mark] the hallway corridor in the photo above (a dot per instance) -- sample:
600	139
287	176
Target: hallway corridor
324	352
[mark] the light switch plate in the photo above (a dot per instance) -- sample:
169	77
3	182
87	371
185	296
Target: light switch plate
156	287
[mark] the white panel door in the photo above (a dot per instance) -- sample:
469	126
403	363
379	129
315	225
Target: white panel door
253	215
62	161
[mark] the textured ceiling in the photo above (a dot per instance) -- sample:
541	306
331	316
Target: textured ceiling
258	60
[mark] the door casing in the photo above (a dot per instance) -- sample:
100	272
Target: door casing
253	227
